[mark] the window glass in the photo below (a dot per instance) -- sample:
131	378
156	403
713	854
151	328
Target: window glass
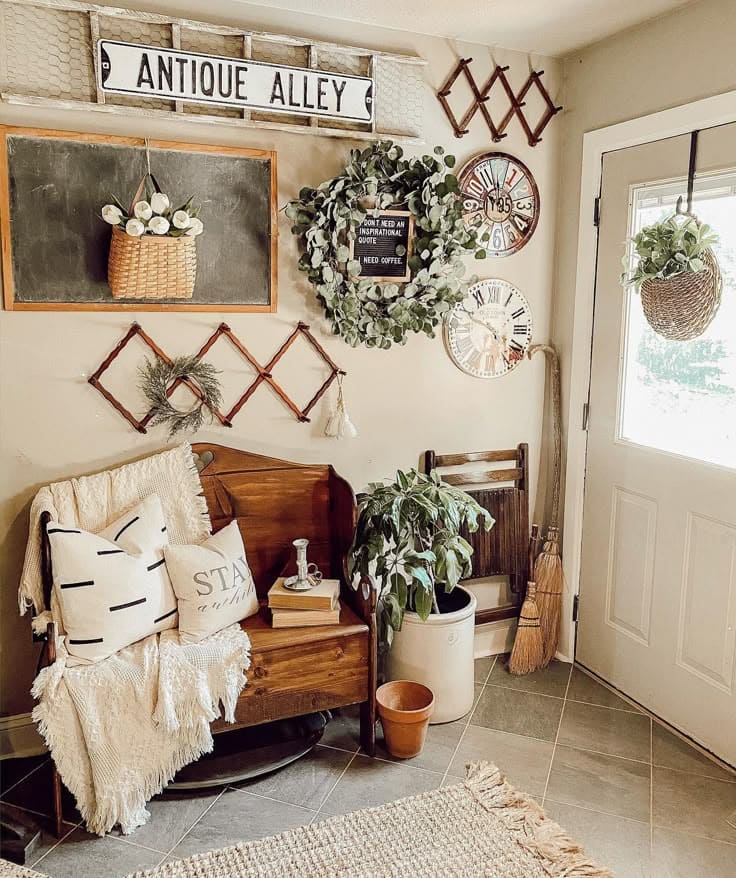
680	397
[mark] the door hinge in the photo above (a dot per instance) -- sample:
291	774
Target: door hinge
597	212
586	415
575	607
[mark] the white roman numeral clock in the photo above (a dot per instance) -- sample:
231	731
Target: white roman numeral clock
489	332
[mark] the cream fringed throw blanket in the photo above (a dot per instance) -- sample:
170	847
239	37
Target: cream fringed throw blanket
120	729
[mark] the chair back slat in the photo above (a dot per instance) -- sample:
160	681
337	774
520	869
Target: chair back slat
473	456
479	478
504	549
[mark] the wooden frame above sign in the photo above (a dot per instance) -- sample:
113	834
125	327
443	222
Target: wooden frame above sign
375	244
70	55
53	185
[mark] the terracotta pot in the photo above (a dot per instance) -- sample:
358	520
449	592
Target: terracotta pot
405	708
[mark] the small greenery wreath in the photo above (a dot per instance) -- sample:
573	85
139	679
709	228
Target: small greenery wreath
156	377
326	218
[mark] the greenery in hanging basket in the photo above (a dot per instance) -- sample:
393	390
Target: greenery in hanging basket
408	540
674	246
326	219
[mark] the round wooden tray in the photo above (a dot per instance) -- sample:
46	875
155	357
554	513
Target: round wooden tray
248	753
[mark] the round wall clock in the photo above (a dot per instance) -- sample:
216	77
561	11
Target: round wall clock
500	198
488	333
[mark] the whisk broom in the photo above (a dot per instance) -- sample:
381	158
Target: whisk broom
548	573
528	652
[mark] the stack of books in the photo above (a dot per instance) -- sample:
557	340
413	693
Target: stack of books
293	609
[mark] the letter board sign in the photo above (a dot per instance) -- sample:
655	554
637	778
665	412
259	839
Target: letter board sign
383	244
148	71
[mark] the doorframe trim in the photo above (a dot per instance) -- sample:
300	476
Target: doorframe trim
706	113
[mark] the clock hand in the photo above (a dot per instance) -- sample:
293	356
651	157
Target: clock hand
479	322
490	328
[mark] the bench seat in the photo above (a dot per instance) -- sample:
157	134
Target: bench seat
300	670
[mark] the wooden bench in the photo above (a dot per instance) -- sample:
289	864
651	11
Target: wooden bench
293	671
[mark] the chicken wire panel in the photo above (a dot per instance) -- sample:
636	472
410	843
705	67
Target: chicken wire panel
207	43
295	55
399	97
126	30
46	53
335	61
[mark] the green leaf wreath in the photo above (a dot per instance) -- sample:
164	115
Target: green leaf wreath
156	377
376	178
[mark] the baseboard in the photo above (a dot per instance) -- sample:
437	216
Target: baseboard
19	737
494	638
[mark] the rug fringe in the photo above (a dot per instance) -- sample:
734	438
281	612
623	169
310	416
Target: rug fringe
542	837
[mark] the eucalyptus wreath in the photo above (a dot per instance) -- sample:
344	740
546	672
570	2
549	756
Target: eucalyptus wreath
326	219
156	377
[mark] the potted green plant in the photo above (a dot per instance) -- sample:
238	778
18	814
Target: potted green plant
408	542
677	275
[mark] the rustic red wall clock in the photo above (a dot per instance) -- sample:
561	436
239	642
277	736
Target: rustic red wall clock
500	198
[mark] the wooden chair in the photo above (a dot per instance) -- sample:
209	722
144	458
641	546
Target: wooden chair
293	671
504	550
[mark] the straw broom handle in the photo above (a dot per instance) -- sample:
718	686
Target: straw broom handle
554	360
533	549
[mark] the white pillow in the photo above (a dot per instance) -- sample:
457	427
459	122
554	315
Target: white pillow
113	587
213	584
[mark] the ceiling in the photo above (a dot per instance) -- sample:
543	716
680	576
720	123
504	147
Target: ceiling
545	27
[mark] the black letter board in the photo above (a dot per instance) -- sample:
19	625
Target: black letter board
376	240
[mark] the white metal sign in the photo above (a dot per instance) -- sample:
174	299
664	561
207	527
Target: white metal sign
148	71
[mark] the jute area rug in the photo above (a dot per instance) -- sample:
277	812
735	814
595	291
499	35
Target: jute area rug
480	827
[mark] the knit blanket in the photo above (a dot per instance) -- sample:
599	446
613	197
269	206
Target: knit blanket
120	729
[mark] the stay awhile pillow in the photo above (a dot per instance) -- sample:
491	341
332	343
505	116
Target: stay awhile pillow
213	584
113	587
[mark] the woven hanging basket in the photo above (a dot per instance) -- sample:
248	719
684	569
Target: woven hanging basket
151	266
682	307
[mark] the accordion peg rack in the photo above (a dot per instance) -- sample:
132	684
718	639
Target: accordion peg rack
264	374
481	96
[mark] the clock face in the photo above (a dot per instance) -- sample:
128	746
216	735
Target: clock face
501	200
488	333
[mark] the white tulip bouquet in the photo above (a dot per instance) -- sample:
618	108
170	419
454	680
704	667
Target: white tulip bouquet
155	217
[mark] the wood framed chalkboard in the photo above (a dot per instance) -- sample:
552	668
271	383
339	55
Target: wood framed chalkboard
382	245
55	245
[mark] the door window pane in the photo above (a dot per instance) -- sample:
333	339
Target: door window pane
679	396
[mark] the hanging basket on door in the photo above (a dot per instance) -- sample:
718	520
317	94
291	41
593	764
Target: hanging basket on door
682	307
676	270
153	250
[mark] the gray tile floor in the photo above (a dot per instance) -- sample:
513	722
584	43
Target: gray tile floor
642	801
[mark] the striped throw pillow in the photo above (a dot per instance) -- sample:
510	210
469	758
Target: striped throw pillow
113	586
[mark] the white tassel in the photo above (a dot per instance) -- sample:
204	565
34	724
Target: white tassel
339	425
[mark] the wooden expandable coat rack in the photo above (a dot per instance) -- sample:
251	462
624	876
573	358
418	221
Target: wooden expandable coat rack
482	95
263	373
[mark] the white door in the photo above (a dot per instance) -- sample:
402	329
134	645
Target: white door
658	585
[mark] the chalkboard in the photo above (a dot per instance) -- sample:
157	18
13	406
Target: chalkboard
376	242
55	244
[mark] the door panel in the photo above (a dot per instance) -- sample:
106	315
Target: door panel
658	582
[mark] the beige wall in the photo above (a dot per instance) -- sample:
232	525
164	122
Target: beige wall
667	62
403	400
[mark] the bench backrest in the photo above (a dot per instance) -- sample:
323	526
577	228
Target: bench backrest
275	502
